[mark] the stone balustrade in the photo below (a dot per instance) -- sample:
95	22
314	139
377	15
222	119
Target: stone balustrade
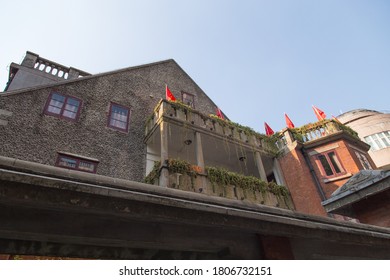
228	130
36	62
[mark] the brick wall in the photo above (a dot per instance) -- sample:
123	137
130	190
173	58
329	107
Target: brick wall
300	183
350	164
375	210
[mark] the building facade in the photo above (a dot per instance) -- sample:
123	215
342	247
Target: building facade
91	140
373	128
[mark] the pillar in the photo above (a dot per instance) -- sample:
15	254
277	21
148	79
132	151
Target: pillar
164	173
260	166
200	162
199	151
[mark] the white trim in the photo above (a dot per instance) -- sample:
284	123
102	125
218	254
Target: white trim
323	149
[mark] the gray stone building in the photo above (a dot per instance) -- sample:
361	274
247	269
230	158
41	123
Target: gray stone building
99	119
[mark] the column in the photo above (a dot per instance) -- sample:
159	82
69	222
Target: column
199	151
164	173
260	166
278	173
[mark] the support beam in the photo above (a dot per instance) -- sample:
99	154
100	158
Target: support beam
260	166
164	174
199	151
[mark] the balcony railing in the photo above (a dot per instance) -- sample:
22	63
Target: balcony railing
178	112
33	60
222	183
311	132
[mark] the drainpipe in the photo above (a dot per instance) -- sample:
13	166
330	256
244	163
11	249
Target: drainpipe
313	174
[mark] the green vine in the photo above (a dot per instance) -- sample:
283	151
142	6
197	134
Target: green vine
218	176
154	174
223	177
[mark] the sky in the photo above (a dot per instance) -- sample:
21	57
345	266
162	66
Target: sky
255	59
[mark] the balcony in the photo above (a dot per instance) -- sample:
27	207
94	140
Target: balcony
313	132
215	181
185	116
176	131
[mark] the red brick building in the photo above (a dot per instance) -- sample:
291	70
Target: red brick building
318	159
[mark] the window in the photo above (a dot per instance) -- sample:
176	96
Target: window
363	160
76	163
63	106
119	117
188	99
378	141
329	164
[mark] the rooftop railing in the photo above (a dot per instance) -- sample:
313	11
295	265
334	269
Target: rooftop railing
34	61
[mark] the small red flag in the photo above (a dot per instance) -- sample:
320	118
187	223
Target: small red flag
320	114
289	123
168	94
219	114
268	129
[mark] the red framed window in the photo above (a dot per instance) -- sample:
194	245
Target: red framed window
119	117
76	163
330	164
63	106
188	99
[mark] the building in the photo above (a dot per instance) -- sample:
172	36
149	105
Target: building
373	128
78	147
317	159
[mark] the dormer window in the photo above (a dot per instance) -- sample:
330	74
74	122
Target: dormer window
63	106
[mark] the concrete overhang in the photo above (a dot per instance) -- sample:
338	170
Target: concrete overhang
50	205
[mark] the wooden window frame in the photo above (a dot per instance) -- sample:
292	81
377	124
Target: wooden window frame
60	115
78	160
327	157
126	130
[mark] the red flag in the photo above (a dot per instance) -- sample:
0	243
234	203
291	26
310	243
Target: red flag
219	114
168	94
320	114
289	123
268	129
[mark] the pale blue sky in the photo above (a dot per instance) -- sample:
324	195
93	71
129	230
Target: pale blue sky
255	59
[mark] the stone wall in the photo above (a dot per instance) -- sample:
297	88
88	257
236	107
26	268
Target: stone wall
27	133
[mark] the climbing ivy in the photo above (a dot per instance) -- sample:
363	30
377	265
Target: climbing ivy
223	177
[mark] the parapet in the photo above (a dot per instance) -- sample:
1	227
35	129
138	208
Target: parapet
35	71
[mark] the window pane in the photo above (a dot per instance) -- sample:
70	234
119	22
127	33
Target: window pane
119	117
67	162
369	141
71	108
335	162
384	139
56	103
377	141
86	166
325	165
363	160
